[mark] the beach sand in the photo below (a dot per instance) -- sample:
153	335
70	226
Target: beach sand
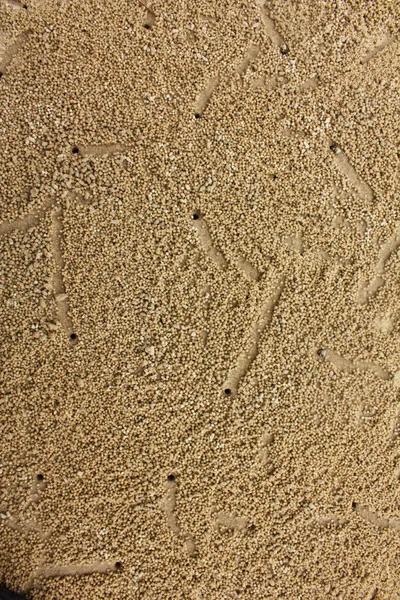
200	308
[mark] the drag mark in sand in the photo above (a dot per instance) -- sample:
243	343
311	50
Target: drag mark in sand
387	250
14	3
264	453
249	57
101	149
66	570
372	53
247	269
328	521
146	7
348	366
149	20
373	518
207	19
70	570
24	527
295	242
345	167
205	96
30	220
61	297
231	522
367	290
247	356
206	242
270	28
309	84
38	486
395	427
12	50
168	505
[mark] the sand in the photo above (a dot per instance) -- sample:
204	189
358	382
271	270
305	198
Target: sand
200	308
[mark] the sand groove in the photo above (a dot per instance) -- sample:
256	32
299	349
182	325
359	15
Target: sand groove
204	236
348	366
372	517
348	171
12	50
168	505
30	220
372	53
70	571
270	27
101	149
249	57
245	359
205	96
367	290
58	281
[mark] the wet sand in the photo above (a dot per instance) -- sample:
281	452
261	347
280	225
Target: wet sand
200	314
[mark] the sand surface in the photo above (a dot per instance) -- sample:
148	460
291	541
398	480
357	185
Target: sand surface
200	299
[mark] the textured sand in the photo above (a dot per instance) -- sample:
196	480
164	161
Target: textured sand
200	299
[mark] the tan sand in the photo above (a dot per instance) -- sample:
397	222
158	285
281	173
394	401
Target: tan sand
200	299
